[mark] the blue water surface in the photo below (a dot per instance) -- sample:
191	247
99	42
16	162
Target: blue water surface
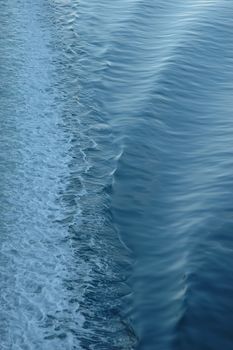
116	164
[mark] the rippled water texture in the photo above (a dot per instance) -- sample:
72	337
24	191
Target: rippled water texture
116	135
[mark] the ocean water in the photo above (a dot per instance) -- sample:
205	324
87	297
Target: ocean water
116	164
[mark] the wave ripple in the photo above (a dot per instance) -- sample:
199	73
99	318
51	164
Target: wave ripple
116	174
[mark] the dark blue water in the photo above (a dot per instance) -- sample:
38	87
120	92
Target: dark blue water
116	166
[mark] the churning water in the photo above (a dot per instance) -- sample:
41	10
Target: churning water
116	164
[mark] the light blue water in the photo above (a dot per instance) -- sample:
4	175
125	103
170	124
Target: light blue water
116	175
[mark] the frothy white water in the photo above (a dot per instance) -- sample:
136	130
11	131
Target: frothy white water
53	260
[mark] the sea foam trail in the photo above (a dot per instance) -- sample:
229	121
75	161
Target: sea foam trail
61	261
35	250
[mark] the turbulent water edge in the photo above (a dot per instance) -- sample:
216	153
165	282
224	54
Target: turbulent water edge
116	174
61	260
